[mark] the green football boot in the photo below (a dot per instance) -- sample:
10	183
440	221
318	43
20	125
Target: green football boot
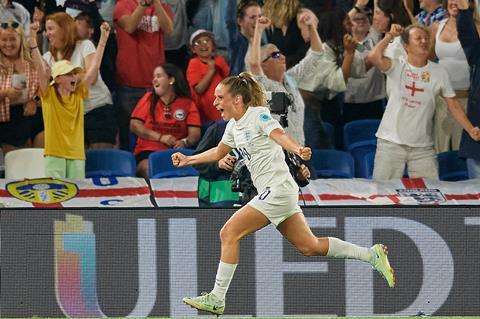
207	302
380	263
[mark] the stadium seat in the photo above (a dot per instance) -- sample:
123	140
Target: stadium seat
160	165
451	167
333	164
365	165
132	141
360	133
359	140
109	162
25	163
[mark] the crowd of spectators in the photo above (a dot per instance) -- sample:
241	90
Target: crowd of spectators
339	61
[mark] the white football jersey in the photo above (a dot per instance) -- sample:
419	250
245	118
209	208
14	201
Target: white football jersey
263	156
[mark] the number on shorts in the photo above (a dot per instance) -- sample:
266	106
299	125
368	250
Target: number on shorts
264	194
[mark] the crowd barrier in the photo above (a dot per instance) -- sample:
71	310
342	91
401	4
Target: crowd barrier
182	192
72	262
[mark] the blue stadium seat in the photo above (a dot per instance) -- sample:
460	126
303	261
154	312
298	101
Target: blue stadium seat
359	139
333	164
365	165
160	165
132	141
360	133
109	162
451	167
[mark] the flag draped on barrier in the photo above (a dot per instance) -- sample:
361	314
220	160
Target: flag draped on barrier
94	192
406	191
182	192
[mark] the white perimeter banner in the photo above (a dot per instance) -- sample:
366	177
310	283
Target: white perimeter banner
182	192
175	192
94	192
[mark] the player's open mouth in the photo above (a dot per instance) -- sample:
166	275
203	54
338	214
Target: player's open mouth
73	83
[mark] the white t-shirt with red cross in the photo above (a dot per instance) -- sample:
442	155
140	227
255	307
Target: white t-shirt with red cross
408	117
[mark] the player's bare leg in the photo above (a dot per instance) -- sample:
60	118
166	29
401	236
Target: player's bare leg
245	221
296	230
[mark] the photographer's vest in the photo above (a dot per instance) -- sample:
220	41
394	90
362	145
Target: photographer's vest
216	192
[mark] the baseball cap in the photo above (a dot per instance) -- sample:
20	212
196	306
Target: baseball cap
199	33
63	67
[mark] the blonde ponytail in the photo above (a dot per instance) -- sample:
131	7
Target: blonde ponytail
247	87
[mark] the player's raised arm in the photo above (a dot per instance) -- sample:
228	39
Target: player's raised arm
289	144
209	156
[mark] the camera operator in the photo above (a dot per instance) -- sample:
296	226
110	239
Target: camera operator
214	186
267	63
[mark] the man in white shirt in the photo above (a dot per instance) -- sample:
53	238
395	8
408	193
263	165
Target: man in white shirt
268	65
405	133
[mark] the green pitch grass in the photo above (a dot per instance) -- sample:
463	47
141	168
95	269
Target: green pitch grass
214	317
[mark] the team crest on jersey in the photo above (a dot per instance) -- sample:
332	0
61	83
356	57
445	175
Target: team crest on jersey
265	117
42	190
425	76
179	115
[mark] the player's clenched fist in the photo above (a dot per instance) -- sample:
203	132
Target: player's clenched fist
305	153
179	159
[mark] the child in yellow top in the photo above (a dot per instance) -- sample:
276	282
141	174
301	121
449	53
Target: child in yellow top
62	103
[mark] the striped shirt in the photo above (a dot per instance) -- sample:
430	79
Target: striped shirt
31	77
427	19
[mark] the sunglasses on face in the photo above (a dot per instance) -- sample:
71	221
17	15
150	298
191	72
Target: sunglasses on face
6	25
273	55
201	42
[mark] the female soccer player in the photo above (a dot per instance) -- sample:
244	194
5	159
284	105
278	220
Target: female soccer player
260	139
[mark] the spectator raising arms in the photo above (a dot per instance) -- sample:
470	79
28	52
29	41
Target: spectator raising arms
240	31
205	70
62	103
285	30
405	132
386	13
267	63
140	26
365	96
100	124
164	118
18	86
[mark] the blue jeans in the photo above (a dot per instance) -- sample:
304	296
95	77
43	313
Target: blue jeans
315	135
473	166
328	111
126	100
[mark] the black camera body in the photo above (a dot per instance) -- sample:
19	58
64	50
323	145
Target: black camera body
242	182
278	103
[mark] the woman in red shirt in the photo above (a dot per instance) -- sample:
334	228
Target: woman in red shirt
165	117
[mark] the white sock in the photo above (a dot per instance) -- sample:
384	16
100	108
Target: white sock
342	249
222	280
